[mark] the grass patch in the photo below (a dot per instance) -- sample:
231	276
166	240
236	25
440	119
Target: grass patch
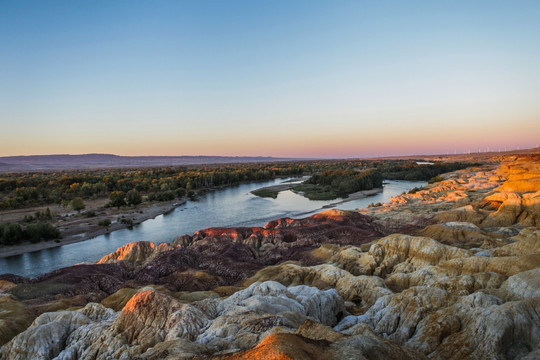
435	179
316	192
414	190
15	317
290	181
32	291
265	193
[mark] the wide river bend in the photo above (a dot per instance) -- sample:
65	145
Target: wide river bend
229	207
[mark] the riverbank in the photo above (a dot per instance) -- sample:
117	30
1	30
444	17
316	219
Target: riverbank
76	228
356	196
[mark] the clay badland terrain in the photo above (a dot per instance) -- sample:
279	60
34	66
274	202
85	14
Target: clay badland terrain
449	272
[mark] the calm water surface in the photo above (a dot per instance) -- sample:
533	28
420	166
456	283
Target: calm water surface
230	207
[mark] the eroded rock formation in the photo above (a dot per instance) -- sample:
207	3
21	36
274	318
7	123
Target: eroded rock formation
449	272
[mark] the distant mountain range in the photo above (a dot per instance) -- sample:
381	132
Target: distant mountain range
93	161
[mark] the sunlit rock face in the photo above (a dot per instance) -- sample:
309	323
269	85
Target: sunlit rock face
450	272
497	195
135	253
278	237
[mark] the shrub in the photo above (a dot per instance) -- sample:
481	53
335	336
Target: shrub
435	179
77	204
165	195
126	221
41	231
180	192
104	222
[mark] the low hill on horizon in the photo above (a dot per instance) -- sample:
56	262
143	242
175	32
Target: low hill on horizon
93	161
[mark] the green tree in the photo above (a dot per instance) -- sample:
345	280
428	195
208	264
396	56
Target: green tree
41	231
133	197
117	199
12	234
77	204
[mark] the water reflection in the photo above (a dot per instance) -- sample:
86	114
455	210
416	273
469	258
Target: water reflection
234	206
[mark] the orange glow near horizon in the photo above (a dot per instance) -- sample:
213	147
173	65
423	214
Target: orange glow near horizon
348	136
315	147
342	138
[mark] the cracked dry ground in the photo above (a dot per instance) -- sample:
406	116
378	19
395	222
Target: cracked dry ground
450	272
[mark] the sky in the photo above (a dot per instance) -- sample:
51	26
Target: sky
294	78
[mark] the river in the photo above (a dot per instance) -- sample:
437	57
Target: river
229	207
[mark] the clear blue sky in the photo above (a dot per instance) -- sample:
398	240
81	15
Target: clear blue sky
282	78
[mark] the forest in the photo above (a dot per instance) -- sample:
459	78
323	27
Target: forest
331	184
19	190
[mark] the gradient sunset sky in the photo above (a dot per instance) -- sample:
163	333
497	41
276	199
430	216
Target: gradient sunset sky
274	78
